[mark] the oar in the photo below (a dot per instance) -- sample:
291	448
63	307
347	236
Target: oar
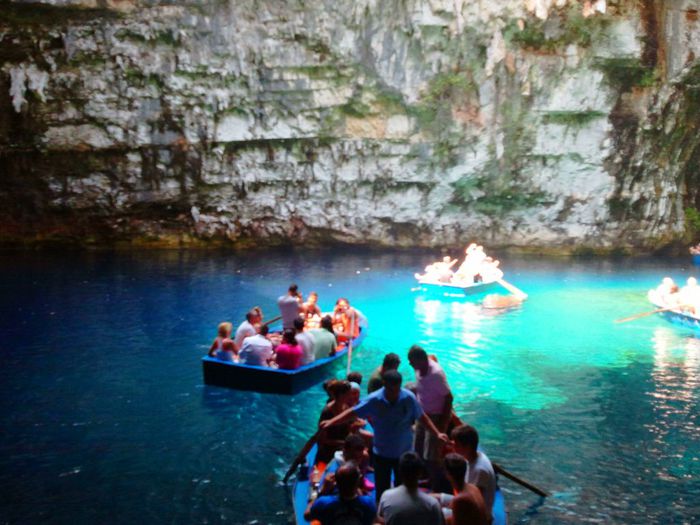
512	289
352	332
272	320
644	314
301	455
519	481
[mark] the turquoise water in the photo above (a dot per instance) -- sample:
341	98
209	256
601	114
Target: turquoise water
105	419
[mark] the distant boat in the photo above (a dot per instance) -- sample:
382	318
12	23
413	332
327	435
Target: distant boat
273	380
302	487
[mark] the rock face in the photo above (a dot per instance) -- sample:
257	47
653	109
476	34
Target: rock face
528	123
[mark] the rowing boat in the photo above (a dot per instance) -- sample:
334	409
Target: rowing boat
675	315
274	380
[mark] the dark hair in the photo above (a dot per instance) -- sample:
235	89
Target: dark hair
264	330
337	388
456	466
391	361
353	441
299	324
347	477
410	467
252	314
466	436
342	299
293	288
392	378
327	323
288	336
355	377
417	353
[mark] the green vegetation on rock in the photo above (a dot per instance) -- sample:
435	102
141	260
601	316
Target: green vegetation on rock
625	73
561	29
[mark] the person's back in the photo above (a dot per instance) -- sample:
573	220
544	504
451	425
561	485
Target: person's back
256	350
399	506
289	306
468	507
406	504
306	341
346	507
289	353
324	339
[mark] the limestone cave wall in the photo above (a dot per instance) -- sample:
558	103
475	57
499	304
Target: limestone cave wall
538	124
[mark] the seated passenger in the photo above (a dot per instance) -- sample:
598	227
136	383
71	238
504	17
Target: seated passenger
305	340
332	438
311	310
355	450
480	471
227	351
288	353
346	321
247	327
256	349
465	506
324	339
224	332
345	507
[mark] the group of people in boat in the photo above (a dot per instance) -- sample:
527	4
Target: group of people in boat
306	334
477	267
439	475
686	299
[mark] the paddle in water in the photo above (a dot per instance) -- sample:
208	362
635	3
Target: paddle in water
652	312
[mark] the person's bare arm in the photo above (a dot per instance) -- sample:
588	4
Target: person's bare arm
431	426
340	418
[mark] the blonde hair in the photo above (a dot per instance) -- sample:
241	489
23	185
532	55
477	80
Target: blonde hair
225	329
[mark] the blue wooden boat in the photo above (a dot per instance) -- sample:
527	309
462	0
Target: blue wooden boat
273	380
302	486
696	259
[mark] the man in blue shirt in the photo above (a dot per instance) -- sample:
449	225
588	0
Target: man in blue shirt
392	411
347	506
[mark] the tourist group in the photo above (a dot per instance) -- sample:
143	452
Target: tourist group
306	335
408	434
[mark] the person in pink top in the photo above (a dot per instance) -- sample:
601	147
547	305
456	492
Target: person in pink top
289	352
435	398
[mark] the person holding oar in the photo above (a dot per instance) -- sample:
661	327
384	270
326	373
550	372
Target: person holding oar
393	411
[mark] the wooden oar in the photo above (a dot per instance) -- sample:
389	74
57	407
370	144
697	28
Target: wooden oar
644	314
512	289
352	332
499	469
301	455
272	320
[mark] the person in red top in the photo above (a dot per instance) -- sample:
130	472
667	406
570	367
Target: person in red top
289	353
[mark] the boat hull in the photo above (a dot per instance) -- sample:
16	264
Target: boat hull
453	290
273	380
696	259
681	319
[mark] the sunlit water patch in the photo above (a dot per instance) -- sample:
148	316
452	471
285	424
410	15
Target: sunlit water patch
104	413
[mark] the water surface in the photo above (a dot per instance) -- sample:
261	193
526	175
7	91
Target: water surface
105	419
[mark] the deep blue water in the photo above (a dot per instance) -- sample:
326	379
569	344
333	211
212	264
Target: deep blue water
105	419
